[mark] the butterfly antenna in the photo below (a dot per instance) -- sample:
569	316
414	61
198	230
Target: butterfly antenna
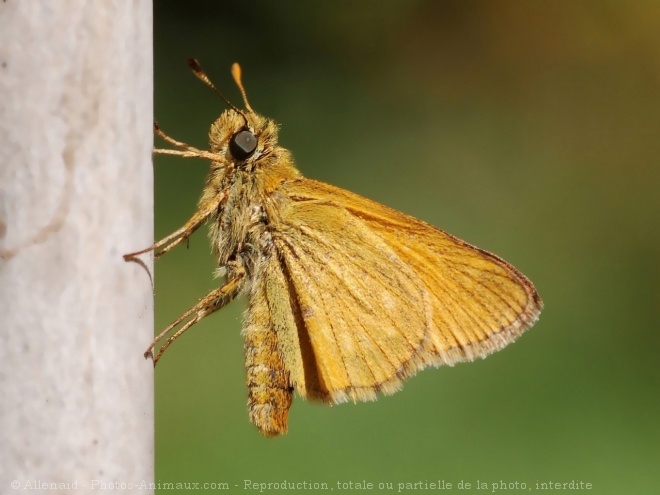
236	72
201	75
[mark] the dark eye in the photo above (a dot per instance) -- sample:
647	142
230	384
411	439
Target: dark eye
243	144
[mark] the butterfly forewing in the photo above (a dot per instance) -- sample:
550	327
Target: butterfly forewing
379	295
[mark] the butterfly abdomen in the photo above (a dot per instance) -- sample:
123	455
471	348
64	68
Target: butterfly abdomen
269	390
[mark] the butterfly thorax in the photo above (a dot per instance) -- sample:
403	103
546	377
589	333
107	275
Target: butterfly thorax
239	230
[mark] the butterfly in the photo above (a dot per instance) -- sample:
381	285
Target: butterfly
347	298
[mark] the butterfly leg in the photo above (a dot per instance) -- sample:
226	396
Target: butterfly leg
209	304
188	151
183	233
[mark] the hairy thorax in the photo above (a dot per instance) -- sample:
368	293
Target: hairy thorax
239	230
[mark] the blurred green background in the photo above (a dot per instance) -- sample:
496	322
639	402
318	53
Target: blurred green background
530	129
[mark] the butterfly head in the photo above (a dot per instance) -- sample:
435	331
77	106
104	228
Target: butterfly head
243	138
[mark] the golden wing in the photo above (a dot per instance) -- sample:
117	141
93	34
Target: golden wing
362	296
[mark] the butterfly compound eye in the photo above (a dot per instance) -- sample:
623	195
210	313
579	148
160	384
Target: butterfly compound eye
243	144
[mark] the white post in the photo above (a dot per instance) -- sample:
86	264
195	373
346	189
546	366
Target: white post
76	185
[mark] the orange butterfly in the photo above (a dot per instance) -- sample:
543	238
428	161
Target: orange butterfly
346	297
